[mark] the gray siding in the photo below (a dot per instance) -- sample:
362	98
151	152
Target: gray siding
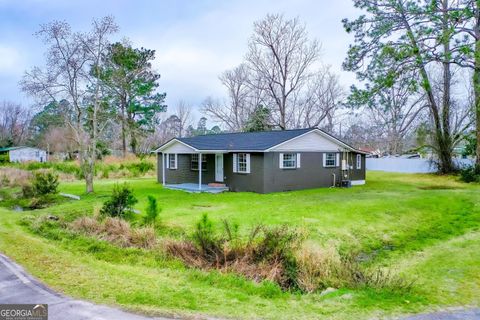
311	173
265	173
252	181
184	173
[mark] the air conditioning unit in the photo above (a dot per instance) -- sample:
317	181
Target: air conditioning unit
346	183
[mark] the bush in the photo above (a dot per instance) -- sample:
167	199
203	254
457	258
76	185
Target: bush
44	183
120	203
152	211
138	168
470	174
204	237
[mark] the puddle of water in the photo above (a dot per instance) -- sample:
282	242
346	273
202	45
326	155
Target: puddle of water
17	208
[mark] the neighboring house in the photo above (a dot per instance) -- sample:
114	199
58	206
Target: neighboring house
261	162
24	154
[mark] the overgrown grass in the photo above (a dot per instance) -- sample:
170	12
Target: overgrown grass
422	227
104	169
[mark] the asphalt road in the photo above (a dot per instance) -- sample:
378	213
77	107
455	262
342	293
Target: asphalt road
16	286
463	314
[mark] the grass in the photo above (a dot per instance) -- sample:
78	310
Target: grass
423	227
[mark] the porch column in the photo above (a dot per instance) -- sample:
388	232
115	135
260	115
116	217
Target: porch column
199	172
163	168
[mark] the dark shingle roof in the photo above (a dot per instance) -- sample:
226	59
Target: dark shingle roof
10	148
251	141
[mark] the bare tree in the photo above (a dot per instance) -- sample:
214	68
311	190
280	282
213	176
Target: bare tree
323	99
59	140
234	112
14	124
184	113
72	61
280	57
396	111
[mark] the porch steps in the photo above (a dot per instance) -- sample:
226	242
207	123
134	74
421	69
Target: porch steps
217	185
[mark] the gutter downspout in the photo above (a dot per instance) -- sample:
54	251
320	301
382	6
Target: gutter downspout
334	180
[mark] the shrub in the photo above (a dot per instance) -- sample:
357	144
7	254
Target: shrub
138	168
44	183
120	203
204	237
152	211
470	174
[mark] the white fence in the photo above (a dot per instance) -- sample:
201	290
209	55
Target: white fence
407	165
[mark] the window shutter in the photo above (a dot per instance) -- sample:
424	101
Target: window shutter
359	161
176	163
234	162
168	160
248	162
298	160
280	160
324	159
337	163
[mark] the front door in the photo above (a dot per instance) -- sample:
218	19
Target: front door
219	167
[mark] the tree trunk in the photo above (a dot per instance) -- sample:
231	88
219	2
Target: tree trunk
476	80
133	142
89	173
124	136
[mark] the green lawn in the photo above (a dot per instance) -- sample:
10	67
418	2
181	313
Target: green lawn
424	227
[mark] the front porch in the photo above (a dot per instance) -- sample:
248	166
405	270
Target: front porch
194	187
192	171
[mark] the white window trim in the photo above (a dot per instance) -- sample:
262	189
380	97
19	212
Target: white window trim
296	160
175	160
204	163
336	159
236	163
359	161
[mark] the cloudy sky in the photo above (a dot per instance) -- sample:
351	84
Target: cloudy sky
194	40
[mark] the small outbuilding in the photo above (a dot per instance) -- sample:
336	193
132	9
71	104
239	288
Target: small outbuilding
23	154
262	162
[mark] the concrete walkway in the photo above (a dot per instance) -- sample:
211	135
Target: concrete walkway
16	286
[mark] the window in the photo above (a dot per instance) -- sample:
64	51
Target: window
242	163
194	162
330	159
288	160
359	161
172	161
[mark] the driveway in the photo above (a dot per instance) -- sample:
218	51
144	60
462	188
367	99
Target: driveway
16	286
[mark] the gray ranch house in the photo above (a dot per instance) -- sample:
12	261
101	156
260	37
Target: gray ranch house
262	162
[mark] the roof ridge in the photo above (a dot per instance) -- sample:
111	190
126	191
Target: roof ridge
252	132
